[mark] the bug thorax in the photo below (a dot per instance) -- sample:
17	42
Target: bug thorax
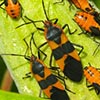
47	23
33	58
53	33
37	67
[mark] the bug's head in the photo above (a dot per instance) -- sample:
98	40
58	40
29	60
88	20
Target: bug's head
33	58
47	24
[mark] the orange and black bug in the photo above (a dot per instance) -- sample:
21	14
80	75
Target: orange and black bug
47	81
80	4
88	22
13	8
63	50
83	5
93	77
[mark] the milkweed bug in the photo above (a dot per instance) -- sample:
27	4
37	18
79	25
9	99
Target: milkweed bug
13	8
47	81
93	77
63	51
83	5
90	23
87	22
80	4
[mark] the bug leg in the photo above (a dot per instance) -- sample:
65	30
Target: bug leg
70	2
61	1
33	22
56	20
1	5
50	62
83	32
27	47
30	22
95	87
80	46
30	46
66	25
39	50
96	47
45	56
51	65
62	78
21	14
41	93
97	17
89	86
27	75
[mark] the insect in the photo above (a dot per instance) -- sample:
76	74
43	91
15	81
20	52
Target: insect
80	4
90	23
13	8
87	22
93	77
63	50
47	81
83	5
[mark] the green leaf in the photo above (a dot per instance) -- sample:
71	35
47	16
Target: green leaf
11	41
97	3
14	96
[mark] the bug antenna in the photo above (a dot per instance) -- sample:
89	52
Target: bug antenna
2	3
30	22
44	10
22	25
26	57
12	55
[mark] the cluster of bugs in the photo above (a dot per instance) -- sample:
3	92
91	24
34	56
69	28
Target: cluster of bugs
65	55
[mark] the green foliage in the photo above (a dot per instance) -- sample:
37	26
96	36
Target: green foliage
14	96
97	2
11	41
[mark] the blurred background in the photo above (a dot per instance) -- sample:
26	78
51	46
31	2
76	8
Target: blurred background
6	79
